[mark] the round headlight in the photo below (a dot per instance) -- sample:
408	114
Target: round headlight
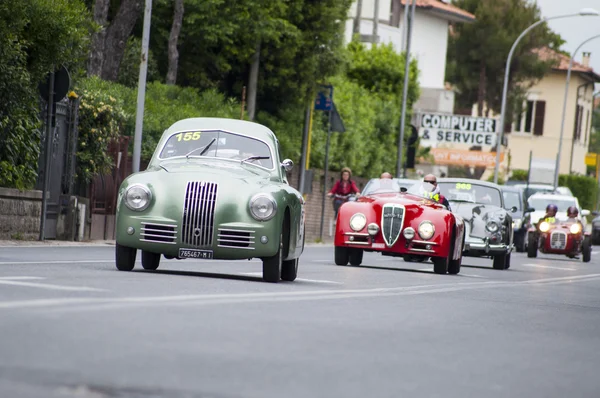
544	226
263	207
575	228
408	233
492	226
372	229
358	222
137	197
426	230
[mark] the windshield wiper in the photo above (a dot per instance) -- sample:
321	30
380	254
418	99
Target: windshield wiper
461	201
204	149
255	158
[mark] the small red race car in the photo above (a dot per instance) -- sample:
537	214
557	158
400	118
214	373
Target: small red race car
552	236
394	221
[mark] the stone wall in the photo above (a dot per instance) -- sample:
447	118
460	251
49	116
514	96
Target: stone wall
314	201
20	213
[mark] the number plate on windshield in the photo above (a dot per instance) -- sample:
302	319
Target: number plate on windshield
195	253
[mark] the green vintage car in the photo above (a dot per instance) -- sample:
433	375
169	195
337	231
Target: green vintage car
214	189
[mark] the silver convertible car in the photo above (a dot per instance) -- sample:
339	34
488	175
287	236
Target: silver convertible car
214	189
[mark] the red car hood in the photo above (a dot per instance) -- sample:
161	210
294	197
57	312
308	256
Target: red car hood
407	200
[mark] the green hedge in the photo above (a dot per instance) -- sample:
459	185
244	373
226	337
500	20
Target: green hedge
583	187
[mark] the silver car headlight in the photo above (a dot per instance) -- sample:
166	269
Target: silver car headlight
492	226
137	197
358	222
262	207
426	230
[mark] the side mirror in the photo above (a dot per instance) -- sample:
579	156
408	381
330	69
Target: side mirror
514	209
287	165
403	189
585	212
596	213
529	210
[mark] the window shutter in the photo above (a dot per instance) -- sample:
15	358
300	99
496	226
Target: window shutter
576	124
540	114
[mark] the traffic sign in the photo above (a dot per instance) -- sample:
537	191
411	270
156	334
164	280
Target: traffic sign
591	159
324	100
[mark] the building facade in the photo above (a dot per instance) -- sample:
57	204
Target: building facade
537	129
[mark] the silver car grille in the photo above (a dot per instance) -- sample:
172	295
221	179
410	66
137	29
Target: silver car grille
236	238
558	240
158	233
199	213
392	217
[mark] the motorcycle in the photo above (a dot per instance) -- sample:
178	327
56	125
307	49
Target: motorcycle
551	236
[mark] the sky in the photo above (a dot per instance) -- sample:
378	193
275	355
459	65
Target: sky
575	30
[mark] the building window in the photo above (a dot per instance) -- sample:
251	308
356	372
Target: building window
577	124
531	119
587	126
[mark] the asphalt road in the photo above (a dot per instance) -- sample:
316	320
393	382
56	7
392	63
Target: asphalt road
73	326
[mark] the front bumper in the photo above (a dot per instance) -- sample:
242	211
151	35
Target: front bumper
483	247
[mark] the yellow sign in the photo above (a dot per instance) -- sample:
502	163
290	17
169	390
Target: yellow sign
591	159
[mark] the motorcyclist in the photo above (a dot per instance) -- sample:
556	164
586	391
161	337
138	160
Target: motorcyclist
342	189
435	192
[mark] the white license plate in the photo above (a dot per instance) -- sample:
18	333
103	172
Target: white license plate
378	245
195	253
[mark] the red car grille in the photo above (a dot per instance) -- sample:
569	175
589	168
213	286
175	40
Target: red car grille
392	217
558	240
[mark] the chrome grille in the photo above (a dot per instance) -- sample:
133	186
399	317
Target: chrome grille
236	238
392	217
558	240
158	233
199	213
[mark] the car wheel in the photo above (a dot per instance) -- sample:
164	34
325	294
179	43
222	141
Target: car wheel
355	257
341	255
532	246
125	257
150	261
500	261
587	250
596	238
440	264
272	265
520	242
454	265
289	270
507	263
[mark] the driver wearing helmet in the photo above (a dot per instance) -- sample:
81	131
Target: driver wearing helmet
573	214
435	192
550	215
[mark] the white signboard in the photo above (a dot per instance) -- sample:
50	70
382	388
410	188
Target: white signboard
457	129
542	171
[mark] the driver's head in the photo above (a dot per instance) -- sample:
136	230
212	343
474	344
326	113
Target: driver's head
430	179
551	210
386	175
572	212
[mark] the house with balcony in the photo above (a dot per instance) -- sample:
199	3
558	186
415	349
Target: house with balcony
382	21
537	128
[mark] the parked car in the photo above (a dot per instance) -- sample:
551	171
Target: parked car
387	220
214	189
513	197
565	237
596	229
488	224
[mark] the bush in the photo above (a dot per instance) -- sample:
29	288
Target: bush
583	187
519	175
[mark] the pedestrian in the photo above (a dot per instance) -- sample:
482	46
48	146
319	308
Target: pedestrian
343	189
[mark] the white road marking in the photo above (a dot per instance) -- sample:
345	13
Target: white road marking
298	279
20	278
549	266
56	262
51	286
472	275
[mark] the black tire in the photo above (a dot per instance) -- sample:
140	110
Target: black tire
150	261
356	257
507	263
586	250
440	265
341	255
500	261
272	265
520	242
532	246
454	265
125	257
289	270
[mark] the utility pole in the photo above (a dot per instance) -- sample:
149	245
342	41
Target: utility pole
141	97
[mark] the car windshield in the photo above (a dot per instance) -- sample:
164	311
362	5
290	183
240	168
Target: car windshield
540	204
512	199
218	144
384	185
471	192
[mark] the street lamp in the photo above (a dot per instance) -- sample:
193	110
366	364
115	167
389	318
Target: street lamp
564	110
582	12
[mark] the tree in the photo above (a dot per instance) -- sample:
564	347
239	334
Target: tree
173	40
109	44
477	52
36	36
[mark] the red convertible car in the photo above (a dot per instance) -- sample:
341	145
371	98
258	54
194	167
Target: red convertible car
552	236
390	219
